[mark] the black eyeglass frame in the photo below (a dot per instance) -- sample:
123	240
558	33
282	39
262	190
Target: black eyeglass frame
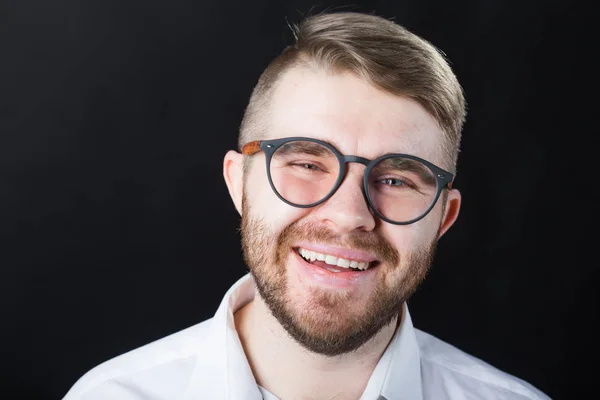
443	178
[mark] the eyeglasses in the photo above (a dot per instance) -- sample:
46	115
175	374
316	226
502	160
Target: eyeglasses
304	172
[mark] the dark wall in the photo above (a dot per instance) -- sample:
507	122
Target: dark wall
116	227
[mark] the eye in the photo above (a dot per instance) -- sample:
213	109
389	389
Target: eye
396	183
307	166
392	182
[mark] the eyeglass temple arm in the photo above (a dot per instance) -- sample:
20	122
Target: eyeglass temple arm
251	148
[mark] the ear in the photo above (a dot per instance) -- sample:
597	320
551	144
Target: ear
451	213
233	172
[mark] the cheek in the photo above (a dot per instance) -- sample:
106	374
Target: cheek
409	238
259	195
265	205
432	221
402	238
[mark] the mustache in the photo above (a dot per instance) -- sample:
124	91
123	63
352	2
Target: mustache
364	241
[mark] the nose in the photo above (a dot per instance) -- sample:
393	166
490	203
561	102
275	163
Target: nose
347	209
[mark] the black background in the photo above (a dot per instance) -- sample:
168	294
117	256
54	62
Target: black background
116	227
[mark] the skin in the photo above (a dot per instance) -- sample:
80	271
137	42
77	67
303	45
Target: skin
361	120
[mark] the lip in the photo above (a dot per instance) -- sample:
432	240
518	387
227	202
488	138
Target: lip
339	252
310	274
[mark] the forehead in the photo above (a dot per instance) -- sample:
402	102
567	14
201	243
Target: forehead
352	115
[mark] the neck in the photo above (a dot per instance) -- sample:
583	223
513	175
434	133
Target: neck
283	367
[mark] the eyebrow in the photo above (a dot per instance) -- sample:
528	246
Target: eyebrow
306	147
410	165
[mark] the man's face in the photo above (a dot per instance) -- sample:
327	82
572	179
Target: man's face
330	312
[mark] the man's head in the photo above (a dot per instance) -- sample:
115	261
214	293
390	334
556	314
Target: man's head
380	52
368	87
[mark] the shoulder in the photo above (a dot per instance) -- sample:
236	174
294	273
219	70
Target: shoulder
171	358
449	370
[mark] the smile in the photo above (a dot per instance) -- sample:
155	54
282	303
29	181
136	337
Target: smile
353	265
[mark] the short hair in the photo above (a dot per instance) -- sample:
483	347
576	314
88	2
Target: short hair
383	53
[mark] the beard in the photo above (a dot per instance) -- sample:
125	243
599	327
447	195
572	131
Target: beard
329	323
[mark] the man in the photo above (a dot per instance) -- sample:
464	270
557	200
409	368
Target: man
344	185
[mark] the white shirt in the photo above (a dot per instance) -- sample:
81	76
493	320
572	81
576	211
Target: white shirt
207	362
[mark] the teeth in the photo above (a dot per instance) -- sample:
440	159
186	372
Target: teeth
343	263
332	260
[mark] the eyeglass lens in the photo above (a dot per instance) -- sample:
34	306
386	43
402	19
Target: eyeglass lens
399	188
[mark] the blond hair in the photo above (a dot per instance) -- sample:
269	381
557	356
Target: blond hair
381	52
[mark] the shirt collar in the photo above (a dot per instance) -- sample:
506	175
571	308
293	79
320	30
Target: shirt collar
403	377
223	372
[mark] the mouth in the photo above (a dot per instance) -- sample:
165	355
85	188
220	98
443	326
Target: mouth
334	263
